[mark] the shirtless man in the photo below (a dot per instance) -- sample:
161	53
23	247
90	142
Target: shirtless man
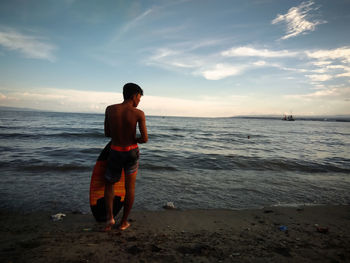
120	124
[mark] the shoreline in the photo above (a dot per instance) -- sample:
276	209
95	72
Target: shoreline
271	234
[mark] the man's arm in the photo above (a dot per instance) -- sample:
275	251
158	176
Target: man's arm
142	128
107	130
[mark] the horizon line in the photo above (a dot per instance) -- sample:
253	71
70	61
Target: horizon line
179	116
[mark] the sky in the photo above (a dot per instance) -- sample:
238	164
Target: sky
191	57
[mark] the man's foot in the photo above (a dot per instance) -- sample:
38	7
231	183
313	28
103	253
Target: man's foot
124	225
109	225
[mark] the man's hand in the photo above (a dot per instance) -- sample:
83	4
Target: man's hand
142	128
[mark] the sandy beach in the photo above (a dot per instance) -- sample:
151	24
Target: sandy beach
274	234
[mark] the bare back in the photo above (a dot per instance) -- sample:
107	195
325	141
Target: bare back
120	124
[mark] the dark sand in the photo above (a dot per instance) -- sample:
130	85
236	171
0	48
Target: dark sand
182	236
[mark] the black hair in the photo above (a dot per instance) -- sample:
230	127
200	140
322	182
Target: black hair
130	89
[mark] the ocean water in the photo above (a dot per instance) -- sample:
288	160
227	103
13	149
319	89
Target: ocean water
198	163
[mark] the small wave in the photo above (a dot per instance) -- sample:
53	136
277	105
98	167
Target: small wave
68	153
94	151
35	165
295	205
65	135
5	149
2	127
14	135
165	136
175	129
233	162
80	135
57	168
153	167
285	165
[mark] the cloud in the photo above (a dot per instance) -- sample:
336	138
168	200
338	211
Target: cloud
206	66
203	107
331	61
334	100
164	52
297	20
211	66
260	63
337	93
320	77
29	46
321	65
220	71
345	74
174	59
252	52
327	101
342	54
134	22
60	100
54	99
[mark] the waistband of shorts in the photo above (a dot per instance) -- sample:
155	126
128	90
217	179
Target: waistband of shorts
124	148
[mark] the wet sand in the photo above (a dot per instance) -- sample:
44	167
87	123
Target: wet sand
312	234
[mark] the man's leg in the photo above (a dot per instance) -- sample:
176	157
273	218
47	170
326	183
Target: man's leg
129	199
109	198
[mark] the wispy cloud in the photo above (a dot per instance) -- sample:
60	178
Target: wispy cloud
317	66
93	101
334	62
342	54
334	93
259	63
124	29
298	20
134	22
345	74
321	63
320	77
215	66
207	66
27	45
206	106
252	52
174	59
220	71
60	99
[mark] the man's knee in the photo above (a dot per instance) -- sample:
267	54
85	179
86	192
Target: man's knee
130	192
130	181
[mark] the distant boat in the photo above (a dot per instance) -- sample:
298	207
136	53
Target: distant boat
288	118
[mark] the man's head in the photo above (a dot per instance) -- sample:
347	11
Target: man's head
131	89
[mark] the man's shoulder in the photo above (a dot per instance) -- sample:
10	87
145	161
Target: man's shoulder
139	112
113	106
